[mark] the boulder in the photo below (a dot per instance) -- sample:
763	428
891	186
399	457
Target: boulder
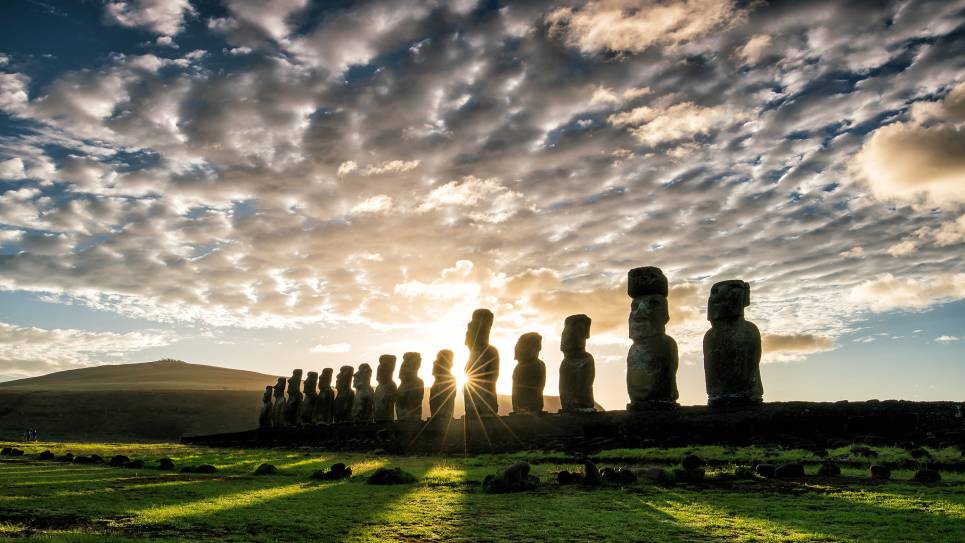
46	455
337	472
692	461
119	460
165	464
879	471
391	476
515	478
766	470
829	469
927	476
266	469
789	471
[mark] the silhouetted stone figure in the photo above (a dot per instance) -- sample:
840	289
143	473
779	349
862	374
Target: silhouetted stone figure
482	369
412	389
386	391
652	360
324	409
529	376
264	418
732	348
278	411
578	369
294	398
306	412
442	395
344	395
363	407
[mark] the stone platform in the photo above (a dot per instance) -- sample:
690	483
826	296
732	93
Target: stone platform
799	424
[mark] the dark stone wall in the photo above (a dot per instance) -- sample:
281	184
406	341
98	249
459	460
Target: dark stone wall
798	424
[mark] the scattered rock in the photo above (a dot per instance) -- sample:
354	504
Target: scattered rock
591	475
789	471
866	452
515	478
566	478
15	452
657	475
68	457
5	451
919	453
692	461
829	469
391	476
927	476
119	460
880	472
83	460
337	472
46	455
266	469
135	464
165	464
97	459
203	468
619	476
766	470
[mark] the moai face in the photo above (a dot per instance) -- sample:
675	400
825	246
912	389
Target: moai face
728	300
295	382
325	380
386	368
363	377
269	391
648	316
477	331
411	362
344	379
311	382
528	347
443	363
646	280
576	330
280	388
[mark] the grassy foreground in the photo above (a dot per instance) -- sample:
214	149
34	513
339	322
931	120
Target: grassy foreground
69	502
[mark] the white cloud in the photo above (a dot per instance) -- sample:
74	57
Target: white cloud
331	348
160	16
946	339
655	125
902	248
391	166
755	49
12	169
887	292
376	204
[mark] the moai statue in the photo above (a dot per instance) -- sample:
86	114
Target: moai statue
482	369
529	376
652	360
412	389
326	398
264	418
442	395
386	391
362	409
306	412
344	395
732	348
578	369
294	398
278	411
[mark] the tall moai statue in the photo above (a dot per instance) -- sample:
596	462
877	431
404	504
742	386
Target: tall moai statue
412	389
386	391
278	411
578	369
363	408
264	417
442	394
294	398
529	375
324	408
306	412
482	369
652	360
732	348
344	395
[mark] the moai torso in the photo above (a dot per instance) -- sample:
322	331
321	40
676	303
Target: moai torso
411	388
310	400
482	368
363	407
732	348
324	408
578	369
442	395
294	398
652	360
345	396
529	375
386	391
278	411
264	418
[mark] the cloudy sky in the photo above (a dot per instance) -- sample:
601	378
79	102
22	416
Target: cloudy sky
269	185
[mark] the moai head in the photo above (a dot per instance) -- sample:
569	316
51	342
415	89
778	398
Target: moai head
443	363
386	369
646	280
363	376
269	390
528	347
295	382
648	316
311	382
280	388
344	379
728	300
576	330
325	379
477	331
411	362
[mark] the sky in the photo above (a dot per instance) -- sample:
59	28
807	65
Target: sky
271	185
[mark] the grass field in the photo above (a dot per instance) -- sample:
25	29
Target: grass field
56	501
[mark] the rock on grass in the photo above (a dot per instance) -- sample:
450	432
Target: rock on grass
266	469
391	476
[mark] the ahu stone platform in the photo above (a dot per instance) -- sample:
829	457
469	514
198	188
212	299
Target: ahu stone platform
807	425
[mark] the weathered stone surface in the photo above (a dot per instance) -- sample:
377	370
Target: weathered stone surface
363	407
386	392
578	369
391	476
692	461
515	478
46	455
345	396
165	464
732	348
482	368
278	411
264	417
295	396
652	360
927	476
266	469
119	460
442	395
766	470
337	472
325	404
411	388
529	375
789	471
306	412
879	471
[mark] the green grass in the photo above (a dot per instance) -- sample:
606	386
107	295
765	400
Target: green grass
53	501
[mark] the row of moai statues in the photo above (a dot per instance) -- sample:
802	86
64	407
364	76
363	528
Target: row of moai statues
732	355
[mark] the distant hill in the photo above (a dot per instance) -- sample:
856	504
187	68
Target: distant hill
152	401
